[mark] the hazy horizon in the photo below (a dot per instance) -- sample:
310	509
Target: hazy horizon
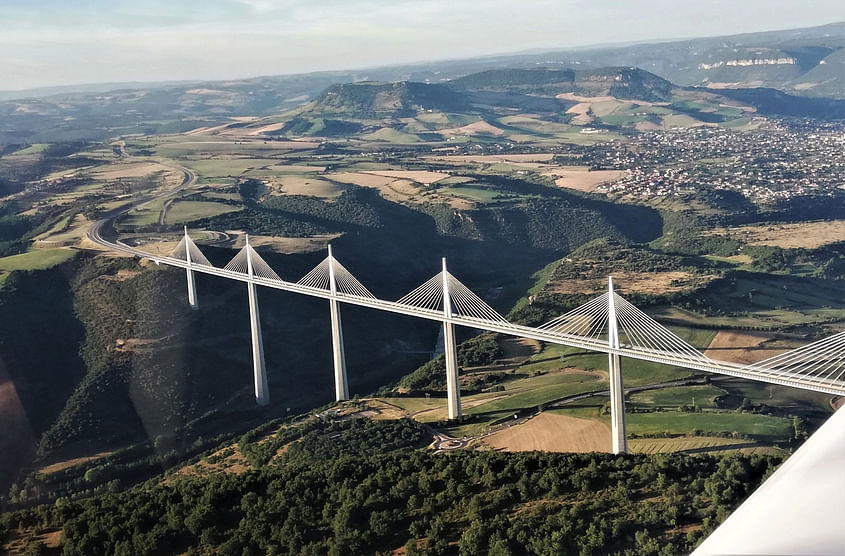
49	43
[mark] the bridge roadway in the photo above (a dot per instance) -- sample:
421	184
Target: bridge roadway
656	356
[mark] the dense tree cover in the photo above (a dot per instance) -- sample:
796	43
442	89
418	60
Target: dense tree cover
249	190
431	377
481	350
458	503
601	257
428	377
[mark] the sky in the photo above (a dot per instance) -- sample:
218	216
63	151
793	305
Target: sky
68	42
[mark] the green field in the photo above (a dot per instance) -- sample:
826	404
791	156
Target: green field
766	301
790	399
763	428
36	259
186	146
636	372
146	215
390	135
674	397
530	391
231	167
698	444
186	211
35	148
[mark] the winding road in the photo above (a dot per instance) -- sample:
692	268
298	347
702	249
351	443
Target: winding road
95	232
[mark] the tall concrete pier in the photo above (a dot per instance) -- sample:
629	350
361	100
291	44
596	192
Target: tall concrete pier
192	284
453	387
619	438
341	388
262	393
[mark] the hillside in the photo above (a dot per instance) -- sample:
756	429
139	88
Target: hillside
366	99
621	82
385	495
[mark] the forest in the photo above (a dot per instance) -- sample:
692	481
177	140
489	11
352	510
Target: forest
359	486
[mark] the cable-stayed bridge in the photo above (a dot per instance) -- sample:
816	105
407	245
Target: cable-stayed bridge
607	323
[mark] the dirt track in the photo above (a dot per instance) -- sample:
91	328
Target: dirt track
553	433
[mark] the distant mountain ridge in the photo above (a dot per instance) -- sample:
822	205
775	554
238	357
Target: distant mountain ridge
406	98
401	98
619	82
800	62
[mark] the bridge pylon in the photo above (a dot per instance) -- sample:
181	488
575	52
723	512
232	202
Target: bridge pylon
341	387
619	438
453	387
262	393
192	284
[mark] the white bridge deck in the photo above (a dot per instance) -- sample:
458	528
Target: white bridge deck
818	367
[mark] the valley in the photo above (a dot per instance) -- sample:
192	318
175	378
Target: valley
717	210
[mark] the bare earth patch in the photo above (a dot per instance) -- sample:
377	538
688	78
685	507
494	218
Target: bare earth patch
807	235
306	185
131	170
579	98
384	411
235	463
553	433
390	184
285	245
367	179
477	128
581	113
419	176
61	465
647	126
495	158
583	179
741	347
631	282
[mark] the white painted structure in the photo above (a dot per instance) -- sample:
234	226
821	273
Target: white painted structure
618	436
607	324
800	509
453	390
341	387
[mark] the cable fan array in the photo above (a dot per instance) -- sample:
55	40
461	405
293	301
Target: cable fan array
463	301
186	246
822	361
260	268
346	283
587	321
820	365
637	330
646	334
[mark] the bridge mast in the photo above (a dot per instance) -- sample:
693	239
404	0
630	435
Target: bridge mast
341	387
453	388
619	439
192	285
262	394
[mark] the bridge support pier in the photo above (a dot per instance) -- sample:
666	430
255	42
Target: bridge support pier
259	369
192	284
341	387
453	386
192	289
619	437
